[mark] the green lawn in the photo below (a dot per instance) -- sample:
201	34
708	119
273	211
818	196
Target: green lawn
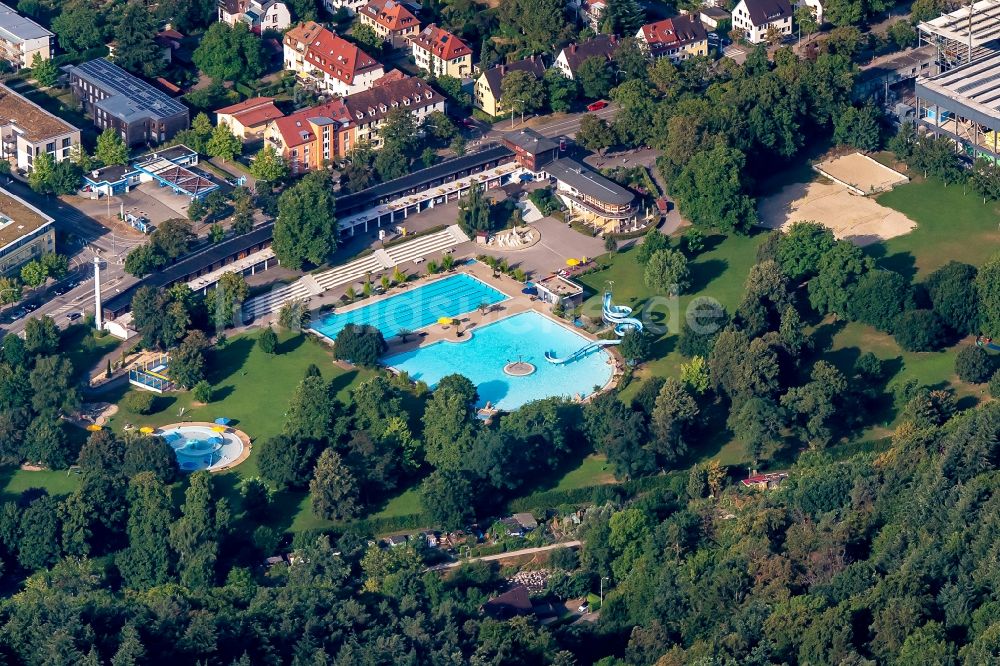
950	225
593	471
718	273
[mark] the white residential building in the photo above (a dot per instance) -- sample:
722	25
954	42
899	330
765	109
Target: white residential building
21	39
756	17
258	15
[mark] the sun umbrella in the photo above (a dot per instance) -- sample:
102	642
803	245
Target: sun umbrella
146	430
222	420
572	262
218	428
444	321
93	427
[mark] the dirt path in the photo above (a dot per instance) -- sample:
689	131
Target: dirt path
512	553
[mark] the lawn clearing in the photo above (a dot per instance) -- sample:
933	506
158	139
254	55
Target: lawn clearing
951	225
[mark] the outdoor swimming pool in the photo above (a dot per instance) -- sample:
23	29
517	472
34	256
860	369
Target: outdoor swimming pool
523	337
200	447
414	309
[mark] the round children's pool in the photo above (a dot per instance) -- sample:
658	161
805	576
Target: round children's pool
204	446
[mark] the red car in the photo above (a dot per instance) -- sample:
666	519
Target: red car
597	106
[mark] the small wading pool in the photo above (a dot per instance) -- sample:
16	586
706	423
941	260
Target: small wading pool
416	308
200	447
522	338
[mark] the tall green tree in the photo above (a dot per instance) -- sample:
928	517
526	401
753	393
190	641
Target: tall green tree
474	211
268	165
988	288
195	536
595	77
224	144
147	561
674	414
135	47
111	149
521	92
230	53
333	490
78	27
840	269
710	190
306	228
667	272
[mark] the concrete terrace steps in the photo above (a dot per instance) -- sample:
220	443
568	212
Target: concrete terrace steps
378	262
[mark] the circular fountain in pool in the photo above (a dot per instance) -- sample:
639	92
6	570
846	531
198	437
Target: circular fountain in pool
204	446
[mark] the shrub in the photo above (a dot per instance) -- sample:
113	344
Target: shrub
361	345
140	402
919	330
268	341
202	391
974	365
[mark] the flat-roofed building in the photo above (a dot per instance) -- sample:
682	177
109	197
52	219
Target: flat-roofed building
965	34
25	233
964	104
21	39
141	113
27	130
592	197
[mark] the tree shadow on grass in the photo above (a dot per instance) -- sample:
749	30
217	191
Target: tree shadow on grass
903	263
162	403
231	358
703	272
712	241
291	344
822	336
283	509
220	393
663	347
342	381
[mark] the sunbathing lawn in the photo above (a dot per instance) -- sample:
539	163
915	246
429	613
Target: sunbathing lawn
950	225
718	272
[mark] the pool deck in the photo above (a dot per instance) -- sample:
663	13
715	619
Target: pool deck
516	303
243	437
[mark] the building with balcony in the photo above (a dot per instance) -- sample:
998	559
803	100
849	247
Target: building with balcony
310	137
27	130
21	39
114	98
678	38
330	63
441	53
591	197
963	104
489	85
257	15
390	20
25	233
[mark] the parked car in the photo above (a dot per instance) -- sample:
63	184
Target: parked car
597	106
31	307
584	608
73	316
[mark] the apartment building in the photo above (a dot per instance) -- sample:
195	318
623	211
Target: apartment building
27	130
441	53
756	17
390	20
258	15
25	233
248	119
489	85
114	98
21	39
678	38
329	62
311	137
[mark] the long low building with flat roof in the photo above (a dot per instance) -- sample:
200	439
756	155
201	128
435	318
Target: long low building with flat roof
126	103
964	104
591	196
27	130
25	233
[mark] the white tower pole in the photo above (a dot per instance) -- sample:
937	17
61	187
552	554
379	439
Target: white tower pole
98	314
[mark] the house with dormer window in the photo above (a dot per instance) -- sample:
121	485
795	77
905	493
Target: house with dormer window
328	62
756	17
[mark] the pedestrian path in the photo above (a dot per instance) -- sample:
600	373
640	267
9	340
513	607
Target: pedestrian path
381	260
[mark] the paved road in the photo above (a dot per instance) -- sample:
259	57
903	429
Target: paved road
84	237
512	553
553	126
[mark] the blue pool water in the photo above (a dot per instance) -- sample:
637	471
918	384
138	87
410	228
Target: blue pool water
526	336
448	297
197	447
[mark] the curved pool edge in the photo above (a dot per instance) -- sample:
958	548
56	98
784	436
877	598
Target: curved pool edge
242	436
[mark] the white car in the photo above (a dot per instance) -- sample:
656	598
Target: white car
584	608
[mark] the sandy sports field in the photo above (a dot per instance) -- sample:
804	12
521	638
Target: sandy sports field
861	173
859	219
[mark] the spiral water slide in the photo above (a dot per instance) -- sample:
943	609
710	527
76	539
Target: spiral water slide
618	316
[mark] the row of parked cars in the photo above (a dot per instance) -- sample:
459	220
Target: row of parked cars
26	308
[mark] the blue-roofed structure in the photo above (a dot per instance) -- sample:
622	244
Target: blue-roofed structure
168	167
